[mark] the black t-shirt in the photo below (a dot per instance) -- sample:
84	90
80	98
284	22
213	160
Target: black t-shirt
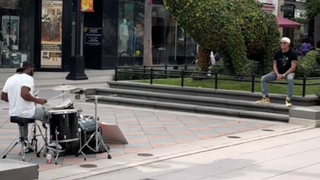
284	60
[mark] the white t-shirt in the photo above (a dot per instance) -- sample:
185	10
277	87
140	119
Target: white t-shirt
18	106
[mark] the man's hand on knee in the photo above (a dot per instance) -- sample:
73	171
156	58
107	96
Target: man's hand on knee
280	76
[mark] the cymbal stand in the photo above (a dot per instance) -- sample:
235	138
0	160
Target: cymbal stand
97	135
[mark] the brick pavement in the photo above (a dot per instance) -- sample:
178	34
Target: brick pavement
145	129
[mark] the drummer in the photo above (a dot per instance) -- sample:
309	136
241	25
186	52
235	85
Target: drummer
18	92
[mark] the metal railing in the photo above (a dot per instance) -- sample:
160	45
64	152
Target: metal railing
162	72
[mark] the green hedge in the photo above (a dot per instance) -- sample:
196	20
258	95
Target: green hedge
308	65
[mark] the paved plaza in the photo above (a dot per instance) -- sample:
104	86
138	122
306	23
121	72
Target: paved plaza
145	129
291	156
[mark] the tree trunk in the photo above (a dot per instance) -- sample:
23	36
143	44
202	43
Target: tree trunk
203	59
147	39
317	29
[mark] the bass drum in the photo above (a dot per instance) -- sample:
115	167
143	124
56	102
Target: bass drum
87	124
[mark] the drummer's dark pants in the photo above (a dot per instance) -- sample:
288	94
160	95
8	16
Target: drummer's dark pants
41	114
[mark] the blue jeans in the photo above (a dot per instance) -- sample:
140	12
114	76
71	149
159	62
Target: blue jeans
41	114
273	77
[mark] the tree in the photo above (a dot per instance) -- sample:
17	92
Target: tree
312	8
147	39
238	29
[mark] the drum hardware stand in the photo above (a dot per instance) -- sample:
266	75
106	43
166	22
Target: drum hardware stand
34	140
97	135
80	141
56	150
79	113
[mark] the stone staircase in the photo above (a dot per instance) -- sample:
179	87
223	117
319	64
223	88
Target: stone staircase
197	100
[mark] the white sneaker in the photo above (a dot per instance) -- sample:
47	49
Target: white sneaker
54	145
27	148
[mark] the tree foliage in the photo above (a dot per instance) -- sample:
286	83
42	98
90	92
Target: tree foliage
238	29
307	65
312	8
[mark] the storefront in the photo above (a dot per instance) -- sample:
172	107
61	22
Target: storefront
116	28
42	31
16	32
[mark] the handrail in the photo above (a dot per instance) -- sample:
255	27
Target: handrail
151	73
125	52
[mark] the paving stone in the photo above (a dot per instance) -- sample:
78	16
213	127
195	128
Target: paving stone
144	130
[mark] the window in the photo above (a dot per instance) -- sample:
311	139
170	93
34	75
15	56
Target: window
15	24
131	27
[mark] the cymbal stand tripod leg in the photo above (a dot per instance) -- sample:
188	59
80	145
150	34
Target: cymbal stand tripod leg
98	138
80	141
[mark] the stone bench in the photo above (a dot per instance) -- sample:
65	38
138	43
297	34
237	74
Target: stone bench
305	115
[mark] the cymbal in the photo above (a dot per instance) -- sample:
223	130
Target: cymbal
64	88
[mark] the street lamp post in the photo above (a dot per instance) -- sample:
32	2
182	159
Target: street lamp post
77	64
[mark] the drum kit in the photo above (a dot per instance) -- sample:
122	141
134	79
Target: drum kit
71	133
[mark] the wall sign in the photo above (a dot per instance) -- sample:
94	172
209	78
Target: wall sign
93	36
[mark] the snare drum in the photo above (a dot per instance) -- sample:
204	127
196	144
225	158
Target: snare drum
65	104
65	122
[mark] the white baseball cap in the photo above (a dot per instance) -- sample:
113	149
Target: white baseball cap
286	40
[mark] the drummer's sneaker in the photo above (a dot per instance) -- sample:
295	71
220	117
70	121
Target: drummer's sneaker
54	145
27	148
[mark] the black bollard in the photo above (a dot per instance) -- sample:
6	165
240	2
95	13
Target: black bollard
77	69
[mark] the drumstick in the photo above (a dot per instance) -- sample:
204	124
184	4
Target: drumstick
36	93
56	96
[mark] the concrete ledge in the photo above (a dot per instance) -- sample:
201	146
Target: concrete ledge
306	122
17	170
305	116
228	94
194	108
194	100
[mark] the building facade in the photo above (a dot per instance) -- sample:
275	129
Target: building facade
43	31
271	6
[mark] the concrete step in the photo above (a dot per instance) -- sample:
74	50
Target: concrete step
309	100
192	108
18	170
192	100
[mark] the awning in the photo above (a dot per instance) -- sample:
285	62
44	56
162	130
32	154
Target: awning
286	23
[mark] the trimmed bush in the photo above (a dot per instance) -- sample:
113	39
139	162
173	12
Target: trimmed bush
238	29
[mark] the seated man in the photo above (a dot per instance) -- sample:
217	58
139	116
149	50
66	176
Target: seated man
284	65
18	92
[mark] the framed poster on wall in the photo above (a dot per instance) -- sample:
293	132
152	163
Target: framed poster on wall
51	34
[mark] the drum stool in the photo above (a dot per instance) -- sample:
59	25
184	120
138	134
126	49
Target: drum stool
21	122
